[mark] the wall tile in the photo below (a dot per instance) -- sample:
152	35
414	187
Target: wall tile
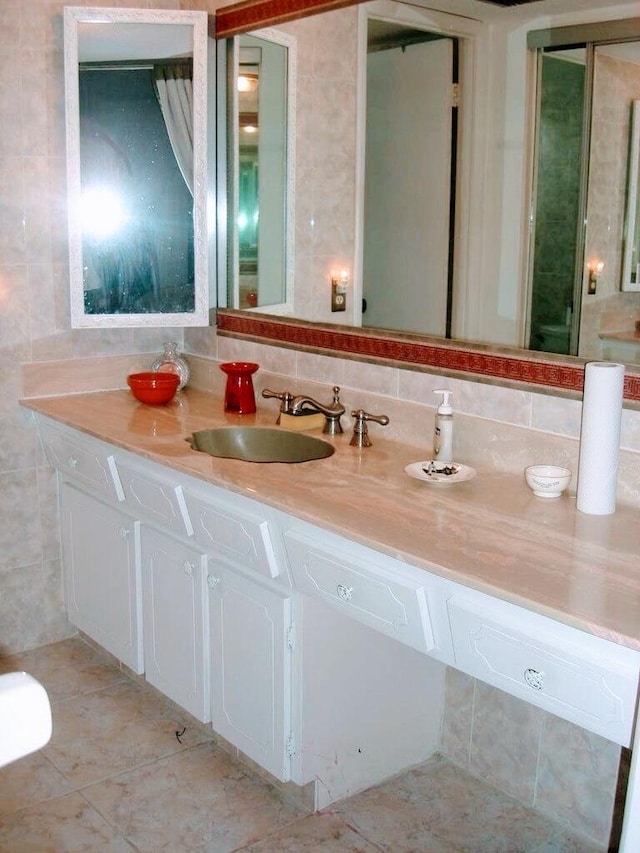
457	724
556	414
577	775
505	742
20	530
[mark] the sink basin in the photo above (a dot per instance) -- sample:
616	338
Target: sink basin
260	444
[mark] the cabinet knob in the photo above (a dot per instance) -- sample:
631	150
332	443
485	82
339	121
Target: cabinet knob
73	462
534	678
344	592
188	568
124	532
212	581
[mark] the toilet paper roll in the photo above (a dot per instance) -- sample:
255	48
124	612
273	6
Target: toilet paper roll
600	437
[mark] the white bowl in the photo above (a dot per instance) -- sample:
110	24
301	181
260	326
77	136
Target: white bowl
547	481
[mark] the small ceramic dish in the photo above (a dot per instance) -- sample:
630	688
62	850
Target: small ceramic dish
547	481
439	473
153	388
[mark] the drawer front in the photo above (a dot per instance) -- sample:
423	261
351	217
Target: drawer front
154	497
362	591
87	461
239	534
570	674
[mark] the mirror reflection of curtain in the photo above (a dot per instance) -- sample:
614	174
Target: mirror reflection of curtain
174	88
137	225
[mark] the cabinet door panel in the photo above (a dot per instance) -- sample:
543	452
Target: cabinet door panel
250	667
174	621
102	573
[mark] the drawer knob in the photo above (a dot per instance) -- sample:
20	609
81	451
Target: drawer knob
534	678
124	532
73	462
344	592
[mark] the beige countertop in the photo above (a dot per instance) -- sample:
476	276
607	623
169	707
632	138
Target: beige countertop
489	533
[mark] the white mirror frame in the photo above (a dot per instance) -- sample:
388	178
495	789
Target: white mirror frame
229	288
73	18
630	258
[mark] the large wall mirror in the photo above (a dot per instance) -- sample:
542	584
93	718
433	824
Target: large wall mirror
485	271
136	101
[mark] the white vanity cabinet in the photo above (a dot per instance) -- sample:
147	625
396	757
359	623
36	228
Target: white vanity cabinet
176	637
252	634
319	658
101	557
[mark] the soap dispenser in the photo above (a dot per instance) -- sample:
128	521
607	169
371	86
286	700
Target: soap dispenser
443	430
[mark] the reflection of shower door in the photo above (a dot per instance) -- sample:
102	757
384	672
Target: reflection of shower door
407	187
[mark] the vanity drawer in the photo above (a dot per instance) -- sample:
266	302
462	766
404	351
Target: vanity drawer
579	677
87	460
362	590
153	497
232	529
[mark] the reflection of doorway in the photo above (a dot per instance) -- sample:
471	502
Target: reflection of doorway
410	139
556	240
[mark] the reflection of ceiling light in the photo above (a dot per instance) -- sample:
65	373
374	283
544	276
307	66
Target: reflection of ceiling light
103	212
250	128
247	82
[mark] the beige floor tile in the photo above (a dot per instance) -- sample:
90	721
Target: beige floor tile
65	825
443	802
324	833
199	800
66	669
136	787
106	732
29	781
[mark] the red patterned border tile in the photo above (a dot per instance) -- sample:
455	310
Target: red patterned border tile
380	347
250	14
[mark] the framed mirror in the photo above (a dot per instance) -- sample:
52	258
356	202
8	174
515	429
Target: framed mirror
493	260
136	124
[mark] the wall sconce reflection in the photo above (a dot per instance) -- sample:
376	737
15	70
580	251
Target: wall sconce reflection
595	269
339	282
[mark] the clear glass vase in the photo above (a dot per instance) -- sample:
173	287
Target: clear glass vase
171	362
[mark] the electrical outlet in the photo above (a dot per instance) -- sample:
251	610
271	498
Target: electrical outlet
338	297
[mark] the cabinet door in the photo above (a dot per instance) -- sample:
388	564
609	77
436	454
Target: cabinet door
250	627
175	627
100	548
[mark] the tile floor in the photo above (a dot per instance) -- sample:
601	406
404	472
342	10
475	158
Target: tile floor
115	778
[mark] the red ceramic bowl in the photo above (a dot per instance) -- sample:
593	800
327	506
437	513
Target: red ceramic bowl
153	388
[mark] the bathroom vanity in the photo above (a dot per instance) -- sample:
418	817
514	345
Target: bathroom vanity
309	611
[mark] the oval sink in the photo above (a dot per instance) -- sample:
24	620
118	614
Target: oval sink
260	444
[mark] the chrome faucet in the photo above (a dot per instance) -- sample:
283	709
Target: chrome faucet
360	437
285	397
332	412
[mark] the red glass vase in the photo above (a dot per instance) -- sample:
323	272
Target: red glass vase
239	397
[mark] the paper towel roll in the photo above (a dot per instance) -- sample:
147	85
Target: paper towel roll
600	437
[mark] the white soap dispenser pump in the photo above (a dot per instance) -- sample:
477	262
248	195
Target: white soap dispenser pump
443	429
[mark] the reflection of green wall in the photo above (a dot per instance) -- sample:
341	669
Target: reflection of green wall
560	147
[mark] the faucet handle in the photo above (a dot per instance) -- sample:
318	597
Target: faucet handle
360	437
285	397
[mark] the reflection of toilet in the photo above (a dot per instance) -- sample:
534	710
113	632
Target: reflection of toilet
555	338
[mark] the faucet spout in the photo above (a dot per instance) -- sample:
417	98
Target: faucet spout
332	411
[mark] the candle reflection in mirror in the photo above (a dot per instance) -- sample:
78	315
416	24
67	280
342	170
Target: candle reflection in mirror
595	268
